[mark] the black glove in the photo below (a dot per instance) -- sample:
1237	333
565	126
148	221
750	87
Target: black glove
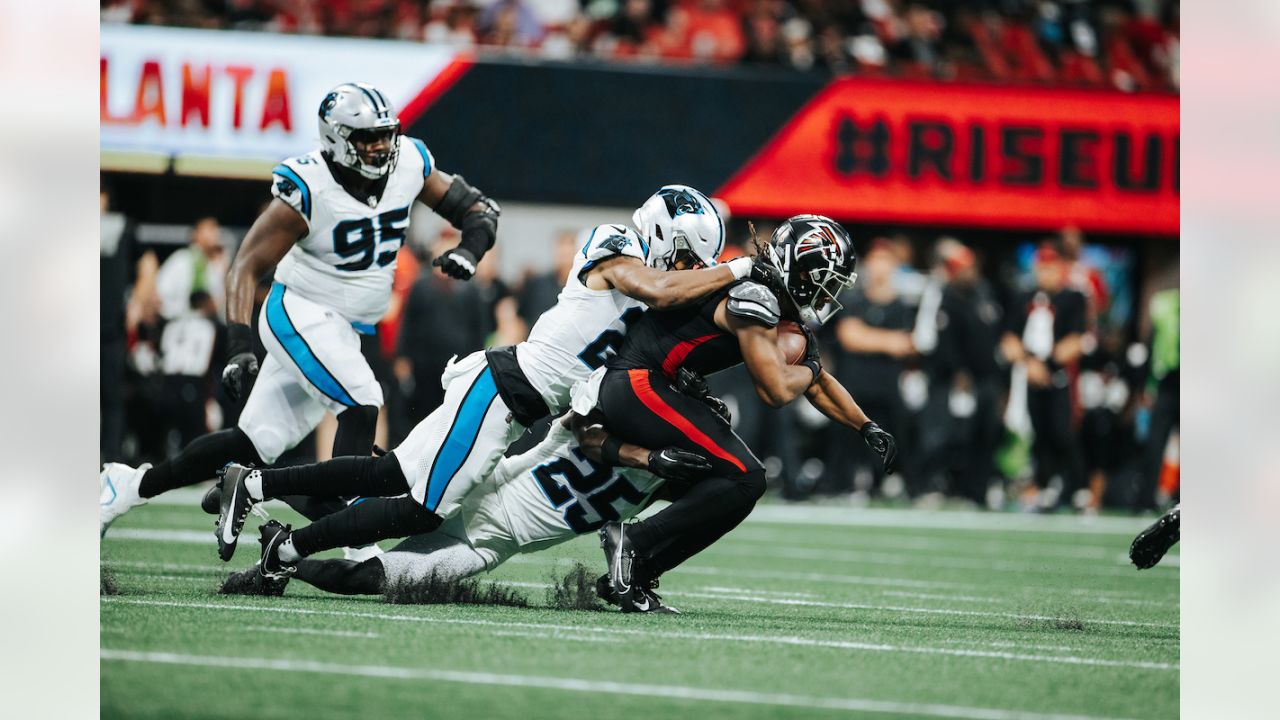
694	385
242	366
676	464
767	273
812	352
457	263
882	443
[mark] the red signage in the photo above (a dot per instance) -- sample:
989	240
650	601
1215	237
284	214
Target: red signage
971	155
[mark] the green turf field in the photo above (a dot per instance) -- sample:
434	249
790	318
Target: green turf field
802	612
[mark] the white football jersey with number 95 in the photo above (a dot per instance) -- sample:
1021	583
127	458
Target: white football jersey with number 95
347	259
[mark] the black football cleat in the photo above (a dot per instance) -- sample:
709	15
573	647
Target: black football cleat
620	559
212	500
1151	544
604	590
648	601
235	504
272	536
252	582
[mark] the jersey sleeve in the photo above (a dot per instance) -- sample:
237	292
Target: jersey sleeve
288	185
608	241
420	150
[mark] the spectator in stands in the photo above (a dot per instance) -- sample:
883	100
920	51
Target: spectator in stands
120	259
539	292
502	322
201	266
762	31
919	45
187	349
453	22
959	341
873	333
1044	335
715	32
509	23
442	318
633	25
1162	392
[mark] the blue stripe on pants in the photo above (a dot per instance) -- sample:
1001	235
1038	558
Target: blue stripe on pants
461	439
300	352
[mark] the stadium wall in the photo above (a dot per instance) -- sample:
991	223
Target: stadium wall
225	104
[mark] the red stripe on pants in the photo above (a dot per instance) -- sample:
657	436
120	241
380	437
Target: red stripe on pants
643	390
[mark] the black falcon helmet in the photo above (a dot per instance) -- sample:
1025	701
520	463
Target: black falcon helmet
815	255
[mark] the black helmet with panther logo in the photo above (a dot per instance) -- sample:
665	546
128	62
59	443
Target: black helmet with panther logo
816	259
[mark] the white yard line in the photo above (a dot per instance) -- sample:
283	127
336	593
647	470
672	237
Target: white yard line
145	564
554	636
939	547
948	598
668	634
188	537
858	517
309	631
944	520
920	610
784	552
676	692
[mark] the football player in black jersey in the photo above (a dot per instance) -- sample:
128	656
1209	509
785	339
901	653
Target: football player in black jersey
640	403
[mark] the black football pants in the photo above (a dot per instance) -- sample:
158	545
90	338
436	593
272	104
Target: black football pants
642	408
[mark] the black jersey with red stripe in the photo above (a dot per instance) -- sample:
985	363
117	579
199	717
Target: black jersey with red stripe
667	340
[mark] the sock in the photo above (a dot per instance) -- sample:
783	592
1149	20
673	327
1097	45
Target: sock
287	552
345	577
253	484
368	521
198	461
339	477
356	429
715	504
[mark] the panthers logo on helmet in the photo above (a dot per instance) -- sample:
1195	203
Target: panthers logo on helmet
329	102
813	241
680	202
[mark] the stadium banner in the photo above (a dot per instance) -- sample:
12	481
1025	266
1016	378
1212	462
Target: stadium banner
1011	157
237	96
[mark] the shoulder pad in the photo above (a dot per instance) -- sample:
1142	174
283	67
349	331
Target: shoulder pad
288	184
753	300
608	241
428	161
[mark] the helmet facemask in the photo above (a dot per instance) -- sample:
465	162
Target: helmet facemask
377	163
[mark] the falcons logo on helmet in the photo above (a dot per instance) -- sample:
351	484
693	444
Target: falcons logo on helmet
820	239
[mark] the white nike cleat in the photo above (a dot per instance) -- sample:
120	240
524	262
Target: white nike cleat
118	486
360	554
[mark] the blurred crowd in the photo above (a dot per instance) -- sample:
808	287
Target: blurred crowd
1009	386
1132	45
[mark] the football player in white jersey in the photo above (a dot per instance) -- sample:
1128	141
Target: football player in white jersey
492	396
338	216
557	490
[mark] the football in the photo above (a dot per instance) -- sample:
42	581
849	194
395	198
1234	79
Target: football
792	341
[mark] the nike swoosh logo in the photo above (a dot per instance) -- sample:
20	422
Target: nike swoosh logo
644	607
228	519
